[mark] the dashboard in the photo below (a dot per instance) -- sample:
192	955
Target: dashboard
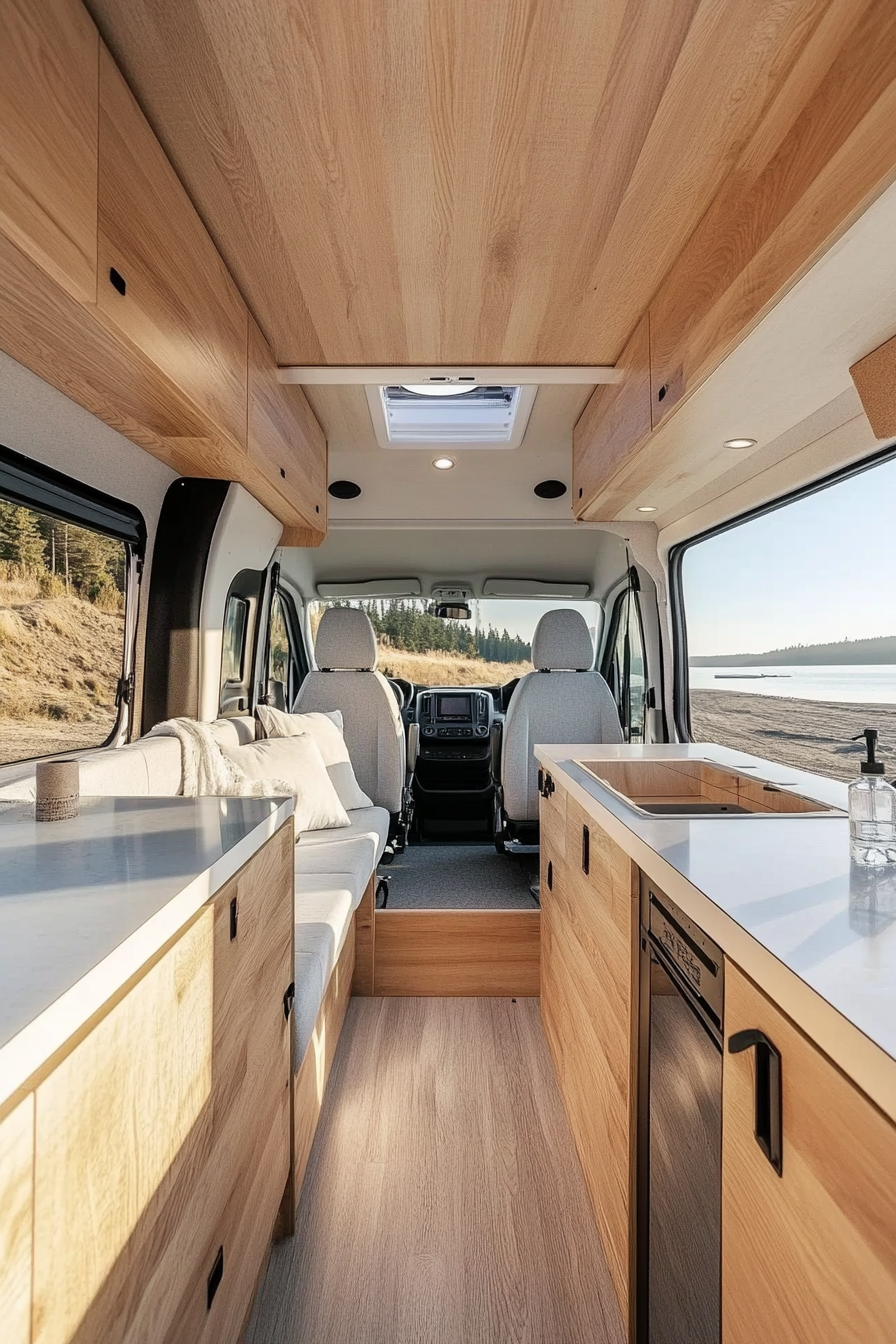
454	712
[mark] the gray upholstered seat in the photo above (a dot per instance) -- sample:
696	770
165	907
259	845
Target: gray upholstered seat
345	651
563	700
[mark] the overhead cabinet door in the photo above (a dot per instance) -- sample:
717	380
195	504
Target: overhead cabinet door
48	117
808	1254
161	281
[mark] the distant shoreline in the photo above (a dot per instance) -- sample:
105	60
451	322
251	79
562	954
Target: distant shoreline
878	652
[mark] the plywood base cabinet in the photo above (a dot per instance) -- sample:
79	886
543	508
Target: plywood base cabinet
588	1007
808	1255
161	1138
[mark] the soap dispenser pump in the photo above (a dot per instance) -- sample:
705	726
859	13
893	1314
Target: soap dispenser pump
872	810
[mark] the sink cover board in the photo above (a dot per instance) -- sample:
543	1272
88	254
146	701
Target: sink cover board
643	784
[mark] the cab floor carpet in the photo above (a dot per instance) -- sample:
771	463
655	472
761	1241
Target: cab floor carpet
460	877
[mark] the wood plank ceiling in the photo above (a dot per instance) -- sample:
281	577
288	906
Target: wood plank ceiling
442	181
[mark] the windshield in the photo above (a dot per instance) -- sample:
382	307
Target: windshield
490	649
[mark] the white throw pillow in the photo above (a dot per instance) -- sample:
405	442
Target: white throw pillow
326	729
298	761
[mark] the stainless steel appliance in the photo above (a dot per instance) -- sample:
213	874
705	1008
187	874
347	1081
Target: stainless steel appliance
680	1127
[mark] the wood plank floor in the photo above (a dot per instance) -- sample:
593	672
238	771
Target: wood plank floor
444	1202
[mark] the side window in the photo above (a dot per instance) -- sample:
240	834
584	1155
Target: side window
238	644
625	667
786	627
68	595
236	617
285	655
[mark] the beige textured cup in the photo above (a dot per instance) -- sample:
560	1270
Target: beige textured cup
58	792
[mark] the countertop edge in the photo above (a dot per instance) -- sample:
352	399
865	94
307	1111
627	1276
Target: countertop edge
858	1057
29	1049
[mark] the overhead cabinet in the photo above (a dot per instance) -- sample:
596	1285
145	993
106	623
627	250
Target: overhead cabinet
113	291
285	441
49	55
161	279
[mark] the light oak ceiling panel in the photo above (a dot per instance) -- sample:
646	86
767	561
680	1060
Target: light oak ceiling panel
443	181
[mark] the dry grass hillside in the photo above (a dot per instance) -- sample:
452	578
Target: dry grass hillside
447	669
60	659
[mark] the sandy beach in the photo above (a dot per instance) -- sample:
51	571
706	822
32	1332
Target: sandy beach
808	734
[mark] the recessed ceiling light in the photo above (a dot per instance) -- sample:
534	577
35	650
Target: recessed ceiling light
443	463
647	508
739	443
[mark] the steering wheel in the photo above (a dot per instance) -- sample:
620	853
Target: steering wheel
403	691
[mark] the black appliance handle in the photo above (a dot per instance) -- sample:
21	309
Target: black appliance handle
586	849
769	1125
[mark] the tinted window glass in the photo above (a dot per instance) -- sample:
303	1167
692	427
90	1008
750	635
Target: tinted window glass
627	671
62	633
791	628
236	616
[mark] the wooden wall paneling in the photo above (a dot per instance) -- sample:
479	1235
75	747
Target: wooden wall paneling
811	1254
589	1009
314	1071
181	307
110	1121
875	380
457	953
16	1186
284	438
49	56
616	419
365	942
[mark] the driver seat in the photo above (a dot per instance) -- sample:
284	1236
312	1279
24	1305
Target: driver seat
346	655
563	700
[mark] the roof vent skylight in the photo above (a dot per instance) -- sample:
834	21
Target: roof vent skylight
421	416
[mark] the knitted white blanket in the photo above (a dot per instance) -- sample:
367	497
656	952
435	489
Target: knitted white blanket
207	771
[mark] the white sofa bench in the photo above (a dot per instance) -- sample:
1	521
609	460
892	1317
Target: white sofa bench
333	871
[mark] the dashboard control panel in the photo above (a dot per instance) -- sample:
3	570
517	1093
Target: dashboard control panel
452	713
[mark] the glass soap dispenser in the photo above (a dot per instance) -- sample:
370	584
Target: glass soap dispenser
872	811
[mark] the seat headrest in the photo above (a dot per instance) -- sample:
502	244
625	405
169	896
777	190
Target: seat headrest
345	641
562	643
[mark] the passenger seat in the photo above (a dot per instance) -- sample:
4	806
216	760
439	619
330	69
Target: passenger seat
563	700
347	680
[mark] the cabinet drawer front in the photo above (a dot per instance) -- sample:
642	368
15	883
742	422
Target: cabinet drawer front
552	819
811	1254
16	1178
48	151
111	1120
181	307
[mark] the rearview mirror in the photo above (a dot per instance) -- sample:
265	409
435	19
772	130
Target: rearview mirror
457	612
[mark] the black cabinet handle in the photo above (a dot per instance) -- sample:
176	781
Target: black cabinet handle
289	1000
586	849
550	876
769	1125
214	1279
234	919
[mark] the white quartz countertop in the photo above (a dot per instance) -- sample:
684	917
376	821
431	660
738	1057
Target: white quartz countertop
778	894
85	903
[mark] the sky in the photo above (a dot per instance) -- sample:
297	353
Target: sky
520	616
816	571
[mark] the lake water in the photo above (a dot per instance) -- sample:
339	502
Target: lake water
874	684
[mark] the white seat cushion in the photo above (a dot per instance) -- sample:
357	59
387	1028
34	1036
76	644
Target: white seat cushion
324	906
354	849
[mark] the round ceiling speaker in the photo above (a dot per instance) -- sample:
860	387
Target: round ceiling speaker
345	490
550	489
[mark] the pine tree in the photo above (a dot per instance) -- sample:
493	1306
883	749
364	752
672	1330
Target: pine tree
21	542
